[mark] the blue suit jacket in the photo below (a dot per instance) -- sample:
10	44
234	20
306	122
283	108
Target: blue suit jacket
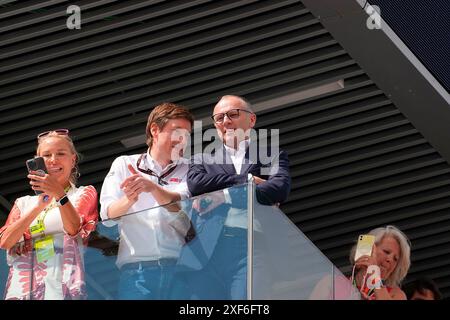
209	173
212	172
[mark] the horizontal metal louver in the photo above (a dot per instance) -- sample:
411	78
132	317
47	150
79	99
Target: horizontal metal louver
356	161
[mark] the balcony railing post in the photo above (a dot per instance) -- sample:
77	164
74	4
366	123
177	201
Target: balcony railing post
250	210
332	283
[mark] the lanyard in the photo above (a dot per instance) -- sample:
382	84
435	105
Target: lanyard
39	226
160	178
43	214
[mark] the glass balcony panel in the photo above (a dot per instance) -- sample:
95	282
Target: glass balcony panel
286	264
4	270
201	242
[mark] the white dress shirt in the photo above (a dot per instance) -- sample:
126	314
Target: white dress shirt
236	218
147	231
237	156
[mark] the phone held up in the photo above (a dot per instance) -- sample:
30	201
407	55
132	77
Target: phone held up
37	164
364	246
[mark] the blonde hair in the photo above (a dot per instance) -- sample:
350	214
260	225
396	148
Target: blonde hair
404	259
75	174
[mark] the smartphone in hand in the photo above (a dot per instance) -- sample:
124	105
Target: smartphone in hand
364	246
37	164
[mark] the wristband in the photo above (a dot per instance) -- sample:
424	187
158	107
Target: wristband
63	200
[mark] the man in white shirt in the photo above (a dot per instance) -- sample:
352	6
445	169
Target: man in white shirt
136	185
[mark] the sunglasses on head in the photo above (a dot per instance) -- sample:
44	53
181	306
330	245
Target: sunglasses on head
63	132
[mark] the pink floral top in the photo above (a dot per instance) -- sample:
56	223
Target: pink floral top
62	275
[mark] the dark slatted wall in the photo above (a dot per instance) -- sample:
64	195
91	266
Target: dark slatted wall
356	161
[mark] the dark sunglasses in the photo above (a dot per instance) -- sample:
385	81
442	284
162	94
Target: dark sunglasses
63	132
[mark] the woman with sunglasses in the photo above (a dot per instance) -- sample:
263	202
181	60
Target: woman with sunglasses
44	232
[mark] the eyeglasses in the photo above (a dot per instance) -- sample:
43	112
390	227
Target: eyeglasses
63	132
232	114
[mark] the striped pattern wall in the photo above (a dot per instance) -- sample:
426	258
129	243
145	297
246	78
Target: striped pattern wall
356	161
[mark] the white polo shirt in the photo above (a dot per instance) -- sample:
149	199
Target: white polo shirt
147	231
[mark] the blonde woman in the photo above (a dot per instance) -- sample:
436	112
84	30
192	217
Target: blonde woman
391	255
44	233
